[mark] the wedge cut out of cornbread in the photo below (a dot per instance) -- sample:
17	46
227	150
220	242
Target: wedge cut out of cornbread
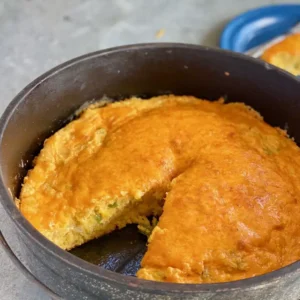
224	183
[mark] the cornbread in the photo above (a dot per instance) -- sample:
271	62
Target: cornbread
285	54
225	184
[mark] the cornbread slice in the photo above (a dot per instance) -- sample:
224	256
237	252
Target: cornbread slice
285	54
225	183
72	199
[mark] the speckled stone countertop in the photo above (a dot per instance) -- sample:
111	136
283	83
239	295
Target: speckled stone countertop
36	35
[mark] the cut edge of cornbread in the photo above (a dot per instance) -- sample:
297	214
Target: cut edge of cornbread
103	219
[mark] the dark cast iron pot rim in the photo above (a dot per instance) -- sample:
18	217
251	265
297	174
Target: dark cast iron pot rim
93	270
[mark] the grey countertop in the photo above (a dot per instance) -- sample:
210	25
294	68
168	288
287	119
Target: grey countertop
36	35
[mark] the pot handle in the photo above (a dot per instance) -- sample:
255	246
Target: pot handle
24	269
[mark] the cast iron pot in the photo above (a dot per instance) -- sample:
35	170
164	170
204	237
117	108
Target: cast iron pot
146	70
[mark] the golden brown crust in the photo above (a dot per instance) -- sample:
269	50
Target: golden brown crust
231	183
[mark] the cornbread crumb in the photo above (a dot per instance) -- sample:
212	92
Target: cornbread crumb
160	33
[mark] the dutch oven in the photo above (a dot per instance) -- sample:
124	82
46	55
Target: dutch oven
47	103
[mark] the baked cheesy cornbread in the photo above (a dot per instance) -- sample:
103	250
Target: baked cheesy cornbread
285	54
225	184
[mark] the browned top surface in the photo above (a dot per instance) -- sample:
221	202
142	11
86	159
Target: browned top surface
232	210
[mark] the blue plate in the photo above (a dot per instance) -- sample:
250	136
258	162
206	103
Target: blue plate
258	26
